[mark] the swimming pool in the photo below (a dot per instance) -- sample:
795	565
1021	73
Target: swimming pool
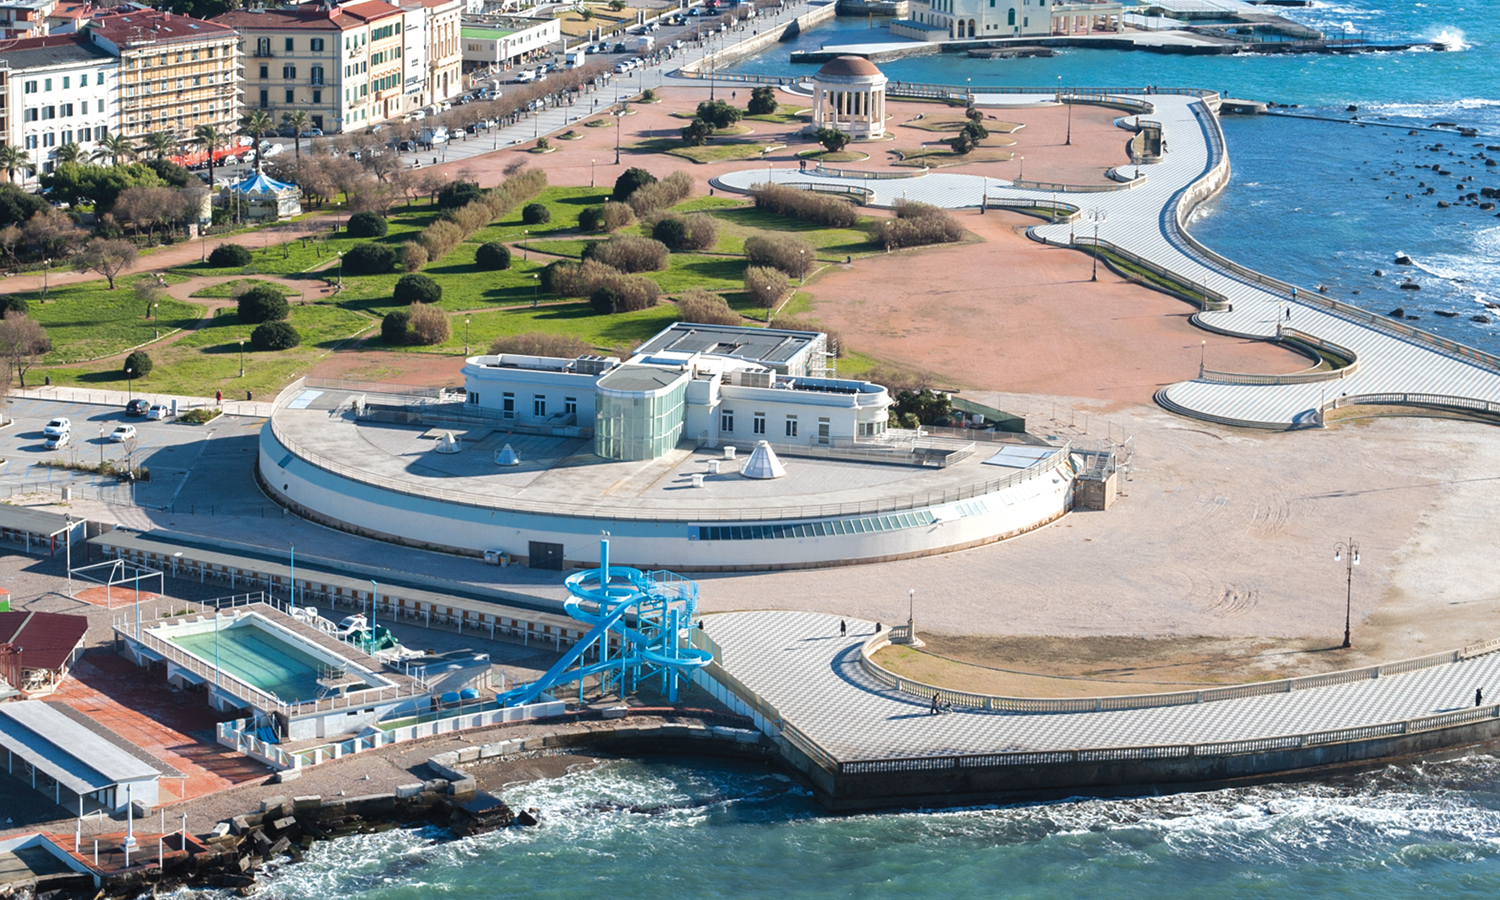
253	652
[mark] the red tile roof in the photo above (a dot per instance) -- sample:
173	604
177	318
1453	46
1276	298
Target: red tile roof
45	639
152	26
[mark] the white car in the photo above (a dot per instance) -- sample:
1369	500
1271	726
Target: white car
274	150
527	75
157	411
55	441
60	425
122	433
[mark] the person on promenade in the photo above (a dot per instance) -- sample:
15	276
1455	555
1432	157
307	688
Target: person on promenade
843	628
936	706
1478	696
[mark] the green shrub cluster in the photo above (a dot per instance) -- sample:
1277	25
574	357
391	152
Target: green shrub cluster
493	256
229	256
629	253
833	212
262	303
367	225
279	335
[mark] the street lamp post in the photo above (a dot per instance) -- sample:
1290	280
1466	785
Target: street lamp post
1096	215
466	335
341	269
129	384
1348	553
536	287
619	114
242	357
46	267
1022	176
591	171
155	323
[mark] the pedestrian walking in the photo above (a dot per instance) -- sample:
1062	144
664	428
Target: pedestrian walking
1478	696
843	628
935	706
219	398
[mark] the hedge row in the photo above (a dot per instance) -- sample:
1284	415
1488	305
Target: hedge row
805	205
917	224
459	224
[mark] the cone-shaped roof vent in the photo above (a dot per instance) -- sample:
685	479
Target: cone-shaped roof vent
763	463
507	457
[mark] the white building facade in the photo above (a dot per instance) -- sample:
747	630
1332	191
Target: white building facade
498	42
936	20
61	90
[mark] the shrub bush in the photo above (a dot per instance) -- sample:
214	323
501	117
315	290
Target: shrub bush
492	257
455	194
274	336
704	308
536	214
262	303
416	288
538	343
696	133
832	139
583	279
718	113
630	181
370	259
763	101
429	325
605	300
918	224
200	415
636	292
591	219
229	256
766	285
780	251
671	230
629	254
139	364
617	216
13	302
413	256
805	205
394	326
664	194
366	225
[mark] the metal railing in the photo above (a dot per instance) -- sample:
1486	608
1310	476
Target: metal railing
857	173
371	387
594	511
1439	401
973	700
1309	376
818	187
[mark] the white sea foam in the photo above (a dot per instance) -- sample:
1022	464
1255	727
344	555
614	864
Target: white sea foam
1451	38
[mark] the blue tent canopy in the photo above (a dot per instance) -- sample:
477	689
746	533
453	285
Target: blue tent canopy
260	184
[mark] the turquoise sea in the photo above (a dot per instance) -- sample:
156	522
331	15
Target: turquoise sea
704	829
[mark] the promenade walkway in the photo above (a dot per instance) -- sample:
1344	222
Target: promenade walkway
1396	363
799	664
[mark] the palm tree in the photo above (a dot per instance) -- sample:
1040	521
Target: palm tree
256	122
159	144
299	120
69	153
13	159
114	147
211	138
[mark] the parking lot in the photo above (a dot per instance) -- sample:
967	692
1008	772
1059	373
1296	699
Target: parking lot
193	468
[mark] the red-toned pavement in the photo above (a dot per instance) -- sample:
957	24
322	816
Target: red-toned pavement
113	596
175	726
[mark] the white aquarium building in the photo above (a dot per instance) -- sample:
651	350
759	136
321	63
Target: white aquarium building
708	448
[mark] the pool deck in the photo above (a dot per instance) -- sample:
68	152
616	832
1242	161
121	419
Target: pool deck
1397	364
800	664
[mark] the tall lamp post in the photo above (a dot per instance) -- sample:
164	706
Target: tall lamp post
242	357
591	172
1096	215
1069	141
129	384
466	335
341	269
1347	552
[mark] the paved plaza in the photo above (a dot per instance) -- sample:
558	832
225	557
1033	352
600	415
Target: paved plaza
799	663
1393	359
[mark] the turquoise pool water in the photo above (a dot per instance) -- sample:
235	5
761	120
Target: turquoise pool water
257	657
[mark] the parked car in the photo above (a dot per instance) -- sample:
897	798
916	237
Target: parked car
312	133
525	76
137	407
157	411
54	441
60	425
122	433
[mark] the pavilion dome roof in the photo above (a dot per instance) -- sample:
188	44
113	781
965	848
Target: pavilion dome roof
850	67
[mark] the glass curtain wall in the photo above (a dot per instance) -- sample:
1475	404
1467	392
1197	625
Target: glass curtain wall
638	425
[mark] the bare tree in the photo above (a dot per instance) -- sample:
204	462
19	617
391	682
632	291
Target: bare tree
53	232
22	342
403	181
107	257
11	237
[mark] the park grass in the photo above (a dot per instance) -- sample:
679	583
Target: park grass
742	221
782	118
298	256
565	204
227	289
621	331
954	124
714	151
89	321
209	359
830	156
944	157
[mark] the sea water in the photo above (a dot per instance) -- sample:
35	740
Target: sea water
702	829
707	830
1314	202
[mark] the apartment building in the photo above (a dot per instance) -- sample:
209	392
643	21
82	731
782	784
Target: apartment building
61	89
24	18
445	51
414	93
345	65
491	43
176	72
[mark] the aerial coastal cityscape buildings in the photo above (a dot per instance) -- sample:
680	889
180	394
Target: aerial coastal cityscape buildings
407	400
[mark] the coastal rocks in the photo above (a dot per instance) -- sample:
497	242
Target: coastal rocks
1481	319
1410	286
1379	273
1445	313
1443	204
1403	260
1397	313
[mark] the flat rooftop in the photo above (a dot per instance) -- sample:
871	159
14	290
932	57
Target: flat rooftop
759	345
562	476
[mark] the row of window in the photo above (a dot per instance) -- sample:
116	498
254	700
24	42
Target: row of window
758	424
67	135
291	98
832	528
263	45
60	111
289	73
386	83
385	56
164	86
45	84
144	62
384	31
538	405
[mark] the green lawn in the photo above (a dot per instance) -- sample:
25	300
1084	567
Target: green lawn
209	359
227	289
713	151
89	321
742	220
294	257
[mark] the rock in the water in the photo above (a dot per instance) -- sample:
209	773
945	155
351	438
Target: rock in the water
1483	320
1445	313
526	817
1397	313
1403	260
1410	286
1379	273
